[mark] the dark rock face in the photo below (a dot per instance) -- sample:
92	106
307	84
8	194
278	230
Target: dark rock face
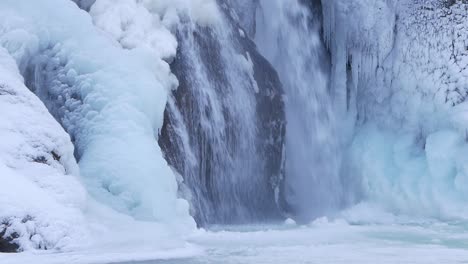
85	4
270	111
245	12
7	244
205	130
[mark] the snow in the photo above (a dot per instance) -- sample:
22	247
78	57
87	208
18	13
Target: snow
204	12
289	222
323	241
133	26
148	23
335	241
151	24
41	196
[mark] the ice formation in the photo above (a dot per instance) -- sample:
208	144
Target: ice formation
41	196
406	75
112	112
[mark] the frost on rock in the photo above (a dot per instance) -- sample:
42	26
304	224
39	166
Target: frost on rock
405	66
359	35
41	197
407	59
112	111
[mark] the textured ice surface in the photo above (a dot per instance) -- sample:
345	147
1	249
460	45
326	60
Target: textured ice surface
405	63
400	70
41	197
112	112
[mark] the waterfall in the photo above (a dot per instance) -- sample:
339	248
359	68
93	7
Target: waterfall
288	34
224	125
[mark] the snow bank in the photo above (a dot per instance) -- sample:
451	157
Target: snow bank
41	198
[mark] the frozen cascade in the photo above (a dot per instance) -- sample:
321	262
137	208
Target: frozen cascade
288	34
405	65
112	112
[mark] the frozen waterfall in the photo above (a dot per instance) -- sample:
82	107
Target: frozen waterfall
153	116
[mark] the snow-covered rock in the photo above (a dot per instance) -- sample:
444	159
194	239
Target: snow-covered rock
41	197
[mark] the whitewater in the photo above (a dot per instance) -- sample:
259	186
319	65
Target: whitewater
224	131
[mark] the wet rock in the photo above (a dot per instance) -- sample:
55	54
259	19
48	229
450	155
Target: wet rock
7	244
227	186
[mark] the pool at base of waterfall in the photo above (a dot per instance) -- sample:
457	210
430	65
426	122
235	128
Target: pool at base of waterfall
323	241
333	242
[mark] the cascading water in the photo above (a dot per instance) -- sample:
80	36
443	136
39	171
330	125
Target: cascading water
288	34
224	125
